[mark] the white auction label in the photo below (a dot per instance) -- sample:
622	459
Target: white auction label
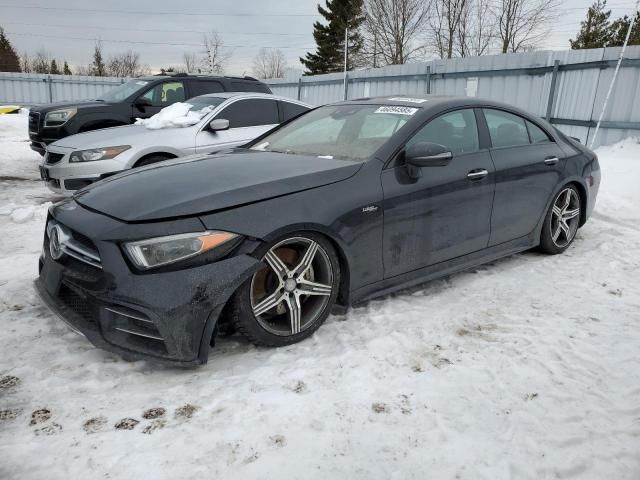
397	110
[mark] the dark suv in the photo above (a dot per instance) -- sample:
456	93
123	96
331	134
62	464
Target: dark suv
138	98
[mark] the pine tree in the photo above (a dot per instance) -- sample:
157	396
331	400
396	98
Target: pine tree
54	68
98	67
9	61
329	56
66	70
618	31
595	29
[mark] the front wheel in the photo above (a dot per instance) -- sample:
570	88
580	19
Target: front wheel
562	221
288	299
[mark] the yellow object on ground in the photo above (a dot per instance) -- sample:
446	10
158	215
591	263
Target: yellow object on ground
9	109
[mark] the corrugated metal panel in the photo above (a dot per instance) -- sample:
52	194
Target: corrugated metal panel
33	88
579	94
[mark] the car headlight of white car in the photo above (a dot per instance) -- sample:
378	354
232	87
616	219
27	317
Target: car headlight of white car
94	154
160	251
56	118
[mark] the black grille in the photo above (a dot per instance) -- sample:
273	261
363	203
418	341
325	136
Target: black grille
75	302
52	158
34	122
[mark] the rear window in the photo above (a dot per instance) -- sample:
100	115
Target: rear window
202	87
247	86
291	110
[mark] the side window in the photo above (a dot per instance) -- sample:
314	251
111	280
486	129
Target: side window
248	86
165	94
202	87
536	134
290	110
455	130
249	113
506	129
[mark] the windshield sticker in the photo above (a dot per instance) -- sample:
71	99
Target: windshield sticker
329	157
140	82
407	99
397	110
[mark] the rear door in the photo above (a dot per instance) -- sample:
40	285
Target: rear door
248	119
529	165
446	212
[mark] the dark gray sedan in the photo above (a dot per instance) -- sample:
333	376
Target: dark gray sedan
344	203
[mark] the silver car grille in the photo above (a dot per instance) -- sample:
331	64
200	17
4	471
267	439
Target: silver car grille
70	246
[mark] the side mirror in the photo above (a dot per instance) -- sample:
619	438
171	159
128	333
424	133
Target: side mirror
425	154
219	124
142	102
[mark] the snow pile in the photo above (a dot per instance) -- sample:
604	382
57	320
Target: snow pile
526	368
177	115
16	157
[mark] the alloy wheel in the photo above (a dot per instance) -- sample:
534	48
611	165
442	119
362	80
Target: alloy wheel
291	293
565	217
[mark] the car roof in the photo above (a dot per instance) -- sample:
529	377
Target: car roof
269	96
429	104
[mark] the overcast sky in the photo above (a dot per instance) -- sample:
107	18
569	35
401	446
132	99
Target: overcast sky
164	29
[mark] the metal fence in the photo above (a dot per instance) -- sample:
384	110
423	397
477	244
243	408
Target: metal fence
566	87
34	88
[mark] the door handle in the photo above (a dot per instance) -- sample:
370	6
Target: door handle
477	174
551	160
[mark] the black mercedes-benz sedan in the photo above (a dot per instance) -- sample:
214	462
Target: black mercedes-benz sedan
346	202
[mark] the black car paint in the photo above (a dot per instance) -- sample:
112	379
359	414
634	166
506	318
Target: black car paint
390	230
94	114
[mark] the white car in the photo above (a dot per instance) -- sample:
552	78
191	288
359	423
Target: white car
203	124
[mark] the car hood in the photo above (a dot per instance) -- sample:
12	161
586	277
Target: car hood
82	104
123	135
196	185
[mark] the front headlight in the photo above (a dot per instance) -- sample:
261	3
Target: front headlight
56	118
97	154
156	252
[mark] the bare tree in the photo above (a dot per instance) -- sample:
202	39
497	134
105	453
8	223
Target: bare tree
446	24
522	24
190	62
269	63
215	54
126	64
392	30
41	61
25	63
477	30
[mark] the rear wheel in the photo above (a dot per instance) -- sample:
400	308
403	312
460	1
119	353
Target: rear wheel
562	221
288	299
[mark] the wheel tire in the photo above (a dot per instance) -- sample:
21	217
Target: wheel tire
151	159
556	236
274	327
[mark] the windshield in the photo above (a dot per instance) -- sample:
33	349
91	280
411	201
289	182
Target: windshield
124	91
181	114
343	132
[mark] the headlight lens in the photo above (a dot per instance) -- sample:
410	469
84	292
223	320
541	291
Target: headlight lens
56	118
156	252
97	154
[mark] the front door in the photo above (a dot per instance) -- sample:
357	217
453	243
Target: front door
159	96
446	212
529	165
248	119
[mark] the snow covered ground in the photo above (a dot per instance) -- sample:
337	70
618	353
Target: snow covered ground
527	368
